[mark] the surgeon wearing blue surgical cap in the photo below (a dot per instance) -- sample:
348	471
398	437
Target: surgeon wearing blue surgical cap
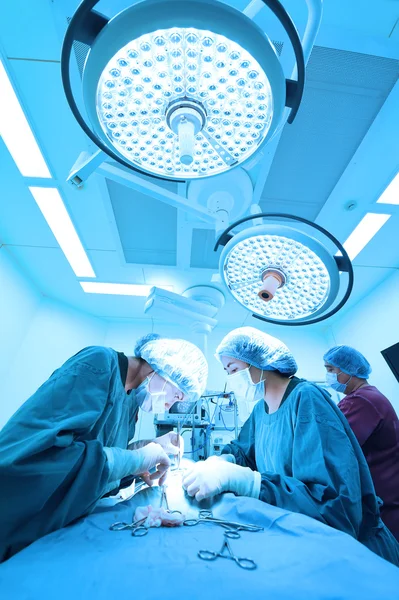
296	450
68	445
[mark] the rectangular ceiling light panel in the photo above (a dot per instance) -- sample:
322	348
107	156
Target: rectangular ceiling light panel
50	203
364	232
120	289
16	133
391	193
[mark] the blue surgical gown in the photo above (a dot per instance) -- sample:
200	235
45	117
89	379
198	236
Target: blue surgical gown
311	463
53	469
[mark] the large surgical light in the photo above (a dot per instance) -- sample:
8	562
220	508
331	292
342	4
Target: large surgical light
181	89
281	273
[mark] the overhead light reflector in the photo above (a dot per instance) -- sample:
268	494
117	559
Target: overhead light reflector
278	273
53	209
16	133
282	274
207	102
181	89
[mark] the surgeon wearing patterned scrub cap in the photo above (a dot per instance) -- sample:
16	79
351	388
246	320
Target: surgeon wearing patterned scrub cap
296	450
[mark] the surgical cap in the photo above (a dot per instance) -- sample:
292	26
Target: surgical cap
349	361
178	361
258	349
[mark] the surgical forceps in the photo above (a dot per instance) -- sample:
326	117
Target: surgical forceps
232	528
164	502
137	528
244	563
178	445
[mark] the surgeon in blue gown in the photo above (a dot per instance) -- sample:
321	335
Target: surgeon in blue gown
68	444
296	450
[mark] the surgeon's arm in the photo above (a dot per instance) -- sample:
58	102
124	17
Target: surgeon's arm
243	449
325	482
49	454
139	462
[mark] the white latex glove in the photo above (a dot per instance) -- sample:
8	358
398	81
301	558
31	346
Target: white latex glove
214	476
227	457
170	443
150	456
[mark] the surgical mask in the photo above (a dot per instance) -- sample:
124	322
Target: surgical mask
332	382
151	401
141	392
244	388
158	401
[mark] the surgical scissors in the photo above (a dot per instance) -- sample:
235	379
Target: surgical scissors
137	528
244	563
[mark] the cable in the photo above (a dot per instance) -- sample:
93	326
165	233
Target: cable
207	412
192	451
224	424
214	412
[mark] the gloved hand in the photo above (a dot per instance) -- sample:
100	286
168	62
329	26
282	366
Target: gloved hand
227	457
170	443
214	476
150	456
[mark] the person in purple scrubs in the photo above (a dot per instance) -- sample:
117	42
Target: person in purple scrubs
373	421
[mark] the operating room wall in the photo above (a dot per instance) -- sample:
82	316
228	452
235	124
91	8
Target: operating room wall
308	345
371	326
18	304
37	336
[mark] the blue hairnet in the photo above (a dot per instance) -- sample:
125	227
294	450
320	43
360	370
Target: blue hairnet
258	349
143	340
349	360
178	361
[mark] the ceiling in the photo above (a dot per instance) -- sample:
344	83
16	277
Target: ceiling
342	147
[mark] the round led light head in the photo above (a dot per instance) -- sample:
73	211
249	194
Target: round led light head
279	273
162	53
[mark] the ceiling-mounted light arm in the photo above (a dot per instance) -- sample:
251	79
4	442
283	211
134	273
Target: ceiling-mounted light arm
131	180
95	24
294	89
315	12
343	262
87	23
84	26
